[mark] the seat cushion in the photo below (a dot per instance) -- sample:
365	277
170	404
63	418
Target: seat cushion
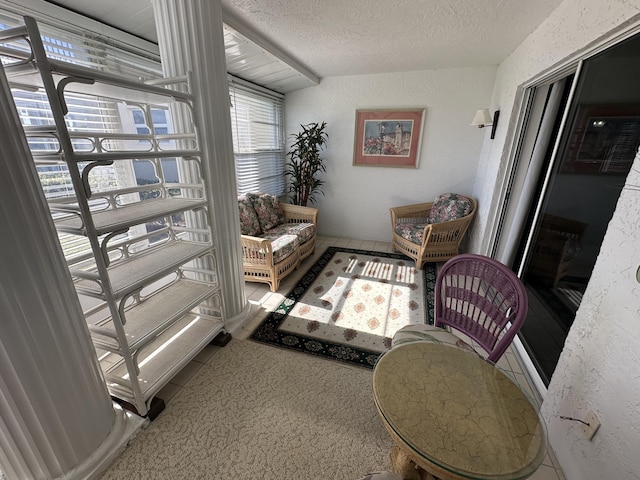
411	231
304	231
449	206
428	333
268	210
249	224
282	245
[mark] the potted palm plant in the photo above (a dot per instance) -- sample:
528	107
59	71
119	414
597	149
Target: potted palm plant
305	163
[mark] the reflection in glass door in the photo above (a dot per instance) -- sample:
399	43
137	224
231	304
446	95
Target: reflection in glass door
572	199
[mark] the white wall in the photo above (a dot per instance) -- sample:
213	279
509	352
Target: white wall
598	369
357	199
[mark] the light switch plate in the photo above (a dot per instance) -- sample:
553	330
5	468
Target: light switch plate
594	424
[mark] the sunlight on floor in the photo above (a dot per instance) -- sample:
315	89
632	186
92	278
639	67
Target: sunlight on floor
263	301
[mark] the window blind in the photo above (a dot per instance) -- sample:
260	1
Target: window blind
257	114
257	119
86	113
87	49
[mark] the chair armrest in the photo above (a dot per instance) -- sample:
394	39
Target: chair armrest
552	244
299	214
449	230
256	248
418	210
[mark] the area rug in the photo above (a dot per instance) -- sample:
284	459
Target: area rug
349	304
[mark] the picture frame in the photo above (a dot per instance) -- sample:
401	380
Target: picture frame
388	137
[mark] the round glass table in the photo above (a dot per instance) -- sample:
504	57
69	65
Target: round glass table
456	416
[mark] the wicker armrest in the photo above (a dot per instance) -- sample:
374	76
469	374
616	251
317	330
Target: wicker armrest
449	230
418	210
256	248
450	224
299	214
550	243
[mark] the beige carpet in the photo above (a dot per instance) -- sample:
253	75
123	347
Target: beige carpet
260	412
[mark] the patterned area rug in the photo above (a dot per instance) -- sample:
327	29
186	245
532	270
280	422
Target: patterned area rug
349	304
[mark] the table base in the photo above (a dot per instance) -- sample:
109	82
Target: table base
404	466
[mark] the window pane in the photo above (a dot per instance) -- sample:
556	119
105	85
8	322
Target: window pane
86	114
138	117
257	122
258	140
158	116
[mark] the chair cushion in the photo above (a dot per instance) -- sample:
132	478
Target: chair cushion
449	206
249	224
268	210
282	245
411	231
428	333
304	231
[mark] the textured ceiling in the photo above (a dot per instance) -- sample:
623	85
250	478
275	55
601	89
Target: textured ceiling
348	37
351	37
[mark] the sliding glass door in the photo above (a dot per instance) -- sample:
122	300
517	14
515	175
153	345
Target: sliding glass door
581	137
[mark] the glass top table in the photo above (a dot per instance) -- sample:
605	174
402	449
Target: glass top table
457	416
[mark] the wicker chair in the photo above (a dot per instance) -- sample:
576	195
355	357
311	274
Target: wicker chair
556	247
478	296
432	232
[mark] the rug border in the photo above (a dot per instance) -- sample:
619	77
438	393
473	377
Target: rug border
267	331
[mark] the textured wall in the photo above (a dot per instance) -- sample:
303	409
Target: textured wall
357	199
598	368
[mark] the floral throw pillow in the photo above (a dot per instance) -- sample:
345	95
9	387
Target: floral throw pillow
449	206
268	210
249	224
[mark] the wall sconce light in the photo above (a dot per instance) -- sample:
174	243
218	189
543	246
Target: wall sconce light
483	119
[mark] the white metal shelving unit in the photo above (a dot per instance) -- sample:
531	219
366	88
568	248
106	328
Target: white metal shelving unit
151	294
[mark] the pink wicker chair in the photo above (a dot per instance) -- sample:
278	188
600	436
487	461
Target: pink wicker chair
479	297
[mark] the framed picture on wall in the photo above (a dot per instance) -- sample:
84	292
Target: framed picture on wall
388	138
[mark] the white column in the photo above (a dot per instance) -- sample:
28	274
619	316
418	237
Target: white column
190	37
55	411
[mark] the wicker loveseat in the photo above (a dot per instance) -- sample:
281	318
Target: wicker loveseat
432	232
275	237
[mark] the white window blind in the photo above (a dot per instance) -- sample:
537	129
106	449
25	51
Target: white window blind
88	49
257	114
86	113
257	118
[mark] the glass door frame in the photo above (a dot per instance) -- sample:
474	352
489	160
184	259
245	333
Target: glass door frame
505	197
